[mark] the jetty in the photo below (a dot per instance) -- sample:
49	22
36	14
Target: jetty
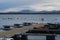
22	31
15	31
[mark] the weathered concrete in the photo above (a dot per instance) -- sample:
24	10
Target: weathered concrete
15	31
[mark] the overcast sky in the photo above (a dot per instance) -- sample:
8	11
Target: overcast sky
37	5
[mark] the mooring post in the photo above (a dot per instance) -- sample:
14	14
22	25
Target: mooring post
16	37
50	37
24	37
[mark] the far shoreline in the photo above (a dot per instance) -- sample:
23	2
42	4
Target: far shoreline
29	13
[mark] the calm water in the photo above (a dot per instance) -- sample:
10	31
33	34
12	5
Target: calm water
10	19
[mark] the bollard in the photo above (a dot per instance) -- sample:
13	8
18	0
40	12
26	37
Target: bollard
16	37
51	37
24	37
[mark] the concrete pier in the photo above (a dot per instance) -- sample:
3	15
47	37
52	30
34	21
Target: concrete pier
15	31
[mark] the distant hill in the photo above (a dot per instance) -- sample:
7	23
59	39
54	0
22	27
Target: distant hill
33	12
27	11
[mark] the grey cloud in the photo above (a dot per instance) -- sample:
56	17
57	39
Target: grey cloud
53	4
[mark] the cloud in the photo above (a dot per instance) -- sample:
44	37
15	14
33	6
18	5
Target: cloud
17	9
38	5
